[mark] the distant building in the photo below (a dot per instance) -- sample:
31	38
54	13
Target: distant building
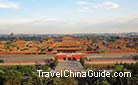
69	56
69	48
68	45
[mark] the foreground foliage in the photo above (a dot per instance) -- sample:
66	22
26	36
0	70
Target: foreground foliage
26	75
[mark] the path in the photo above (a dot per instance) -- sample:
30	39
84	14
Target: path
69	65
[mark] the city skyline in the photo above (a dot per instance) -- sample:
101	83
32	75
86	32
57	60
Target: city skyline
68	16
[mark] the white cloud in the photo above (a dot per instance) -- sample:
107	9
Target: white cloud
107	5
120	24
103	5
84	3
9	4
84	9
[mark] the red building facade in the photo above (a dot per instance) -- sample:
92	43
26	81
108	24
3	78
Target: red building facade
69	56
69	49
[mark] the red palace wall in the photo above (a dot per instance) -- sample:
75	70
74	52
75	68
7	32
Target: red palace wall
61	57
72	57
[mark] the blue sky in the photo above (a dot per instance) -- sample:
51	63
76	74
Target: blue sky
68	16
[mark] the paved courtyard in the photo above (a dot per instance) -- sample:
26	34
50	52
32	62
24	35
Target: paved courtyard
69	65
22	59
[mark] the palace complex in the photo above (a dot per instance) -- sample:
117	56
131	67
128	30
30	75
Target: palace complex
70	45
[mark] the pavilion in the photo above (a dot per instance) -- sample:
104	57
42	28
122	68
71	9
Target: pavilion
68	45
69	49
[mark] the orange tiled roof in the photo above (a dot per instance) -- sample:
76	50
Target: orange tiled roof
2	45
67	37
20	42
68	48
68	44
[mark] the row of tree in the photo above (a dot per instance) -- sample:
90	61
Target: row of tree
125	67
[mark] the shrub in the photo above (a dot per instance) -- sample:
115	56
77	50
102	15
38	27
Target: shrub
1	61
102	51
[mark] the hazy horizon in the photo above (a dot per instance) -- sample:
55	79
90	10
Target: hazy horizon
68	16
